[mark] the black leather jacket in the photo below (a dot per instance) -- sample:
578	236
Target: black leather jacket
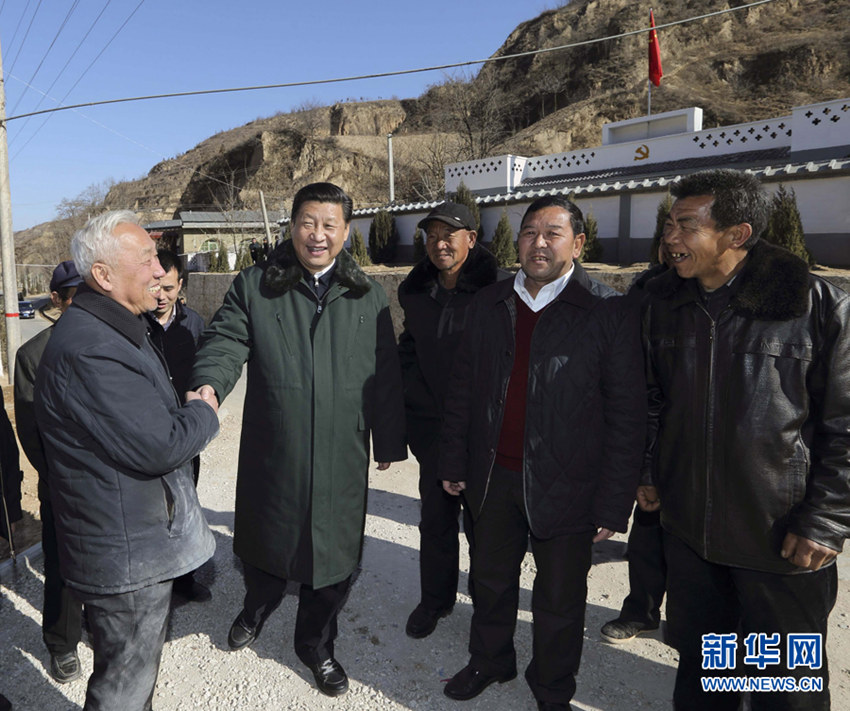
586	408
750	413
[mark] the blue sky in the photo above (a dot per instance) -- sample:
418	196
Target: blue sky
186	45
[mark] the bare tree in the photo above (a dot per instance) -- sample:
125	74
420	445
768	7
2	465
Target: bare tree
476	109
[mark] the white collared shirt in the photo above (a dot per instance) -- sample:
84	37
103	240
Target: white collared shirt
547	293
324	271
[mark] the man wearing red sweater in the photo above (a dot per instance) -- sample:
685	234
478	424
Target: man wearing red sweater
543	435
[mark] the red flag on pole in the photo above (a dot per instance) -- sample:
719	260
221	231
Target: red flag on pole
655	71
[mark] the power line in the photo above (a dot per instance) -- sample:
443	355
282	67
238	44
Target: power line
26	34
15	36
45	94
44	57
380	75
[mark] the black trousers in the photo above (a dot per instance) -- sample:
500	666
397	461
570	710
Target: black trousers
318	609
61	612
439	548
647	569
128	632
558	598
704	598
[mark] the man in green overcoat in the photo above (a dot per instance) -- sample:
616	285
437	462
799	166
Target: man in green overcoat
323	374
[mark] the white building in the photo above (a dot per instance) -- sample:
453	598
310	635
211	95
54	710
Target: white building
622	181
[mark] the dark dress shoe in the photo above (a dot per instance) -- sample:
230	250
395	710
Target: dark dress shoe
619	630
549	706
331	678
191	590
65	667
5	704
423	620
469	682
241	634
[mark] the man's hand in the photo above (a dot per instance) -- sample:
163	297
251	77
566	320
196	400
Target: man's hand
647	498
454	487
383	466
603	534
805	553
205	393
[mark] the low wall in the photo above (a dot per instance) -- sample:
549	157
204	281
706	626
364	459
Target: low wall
205	291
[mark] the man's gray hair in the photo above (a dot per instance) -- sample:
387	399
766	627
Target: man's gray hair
95	242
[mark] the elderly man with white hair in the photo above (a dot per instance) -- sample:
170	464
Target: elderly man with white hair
119	448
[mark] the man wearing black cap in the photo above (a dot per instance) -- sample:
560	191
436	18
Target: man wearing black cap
61	613
434	297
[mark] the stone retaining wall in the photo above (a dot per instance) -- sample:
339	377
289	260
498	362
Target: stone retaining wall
205	291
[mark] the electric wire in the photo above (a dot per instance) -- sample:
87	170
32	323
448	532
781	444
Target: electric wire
47	52
26	34
46	94
15	34
401	72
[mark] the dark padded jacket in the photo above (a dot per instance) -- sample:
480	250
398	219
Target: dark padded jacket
750	414
119	447
178	344
431	336
586	408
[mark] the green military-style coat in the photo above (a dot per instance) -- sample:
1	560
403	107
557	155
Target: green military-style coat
320	380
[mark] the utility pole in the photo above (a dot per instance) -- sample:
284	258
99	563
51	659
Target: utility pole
392	173
265	217
7	241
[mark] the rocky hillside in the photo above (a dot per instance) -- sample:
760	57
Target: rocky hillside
740	66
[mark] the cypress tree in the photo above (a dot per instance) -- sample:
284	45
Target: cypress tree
784	226
503	243
223	264
383	238
660	218
418	245
592	250
358	249
464	196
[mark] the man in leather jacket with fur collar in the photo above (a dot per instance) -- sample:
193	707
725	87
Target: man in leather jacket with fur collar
748	368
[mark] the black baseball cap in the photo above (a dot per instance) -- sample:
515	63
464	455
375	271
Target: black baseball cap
65	275
452	214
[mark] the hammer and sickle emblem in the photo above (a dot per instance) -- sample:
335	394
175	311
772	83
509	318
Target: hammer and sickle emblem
642	152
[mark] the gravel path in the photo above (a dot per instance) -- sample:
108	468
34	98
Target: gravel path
387	669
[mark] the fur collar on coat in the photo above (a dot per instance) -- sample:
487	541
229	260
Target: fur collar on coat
774	285
283	271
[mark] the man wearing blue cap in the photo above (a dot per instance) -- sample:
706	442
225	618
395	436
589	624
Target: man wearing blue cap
61	613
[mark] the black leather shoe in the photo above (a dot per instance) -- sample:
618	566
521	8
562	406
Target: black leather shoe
549	706
331	678
423	620
241	634
65	667
5	704
469	682
619	631
191	590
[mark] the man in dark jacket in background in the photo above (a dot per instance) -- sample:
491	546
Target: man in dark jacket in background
119	445
175	330
544	429
748	368
434	297
61	612
323	375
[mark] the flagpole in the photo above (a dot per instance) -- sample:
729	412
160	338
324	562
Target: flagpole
649	85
